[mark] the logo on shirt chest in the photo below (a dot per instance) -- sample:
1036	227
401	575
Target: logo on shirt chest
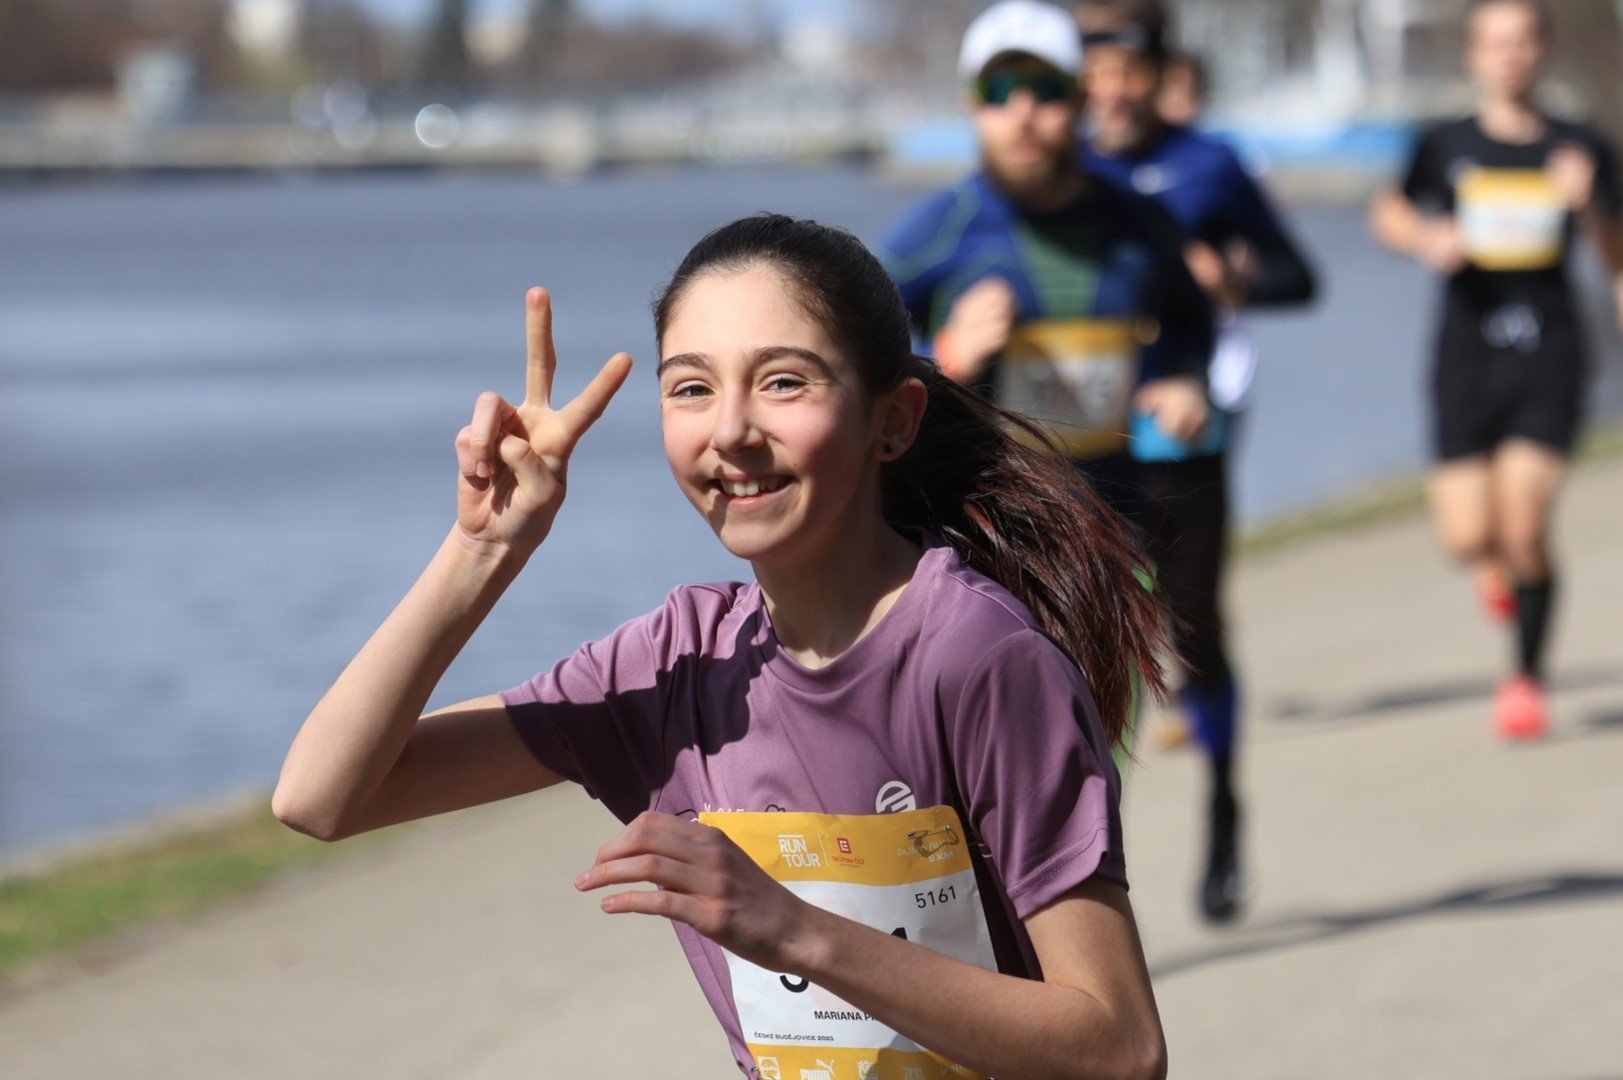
1153	179
894	797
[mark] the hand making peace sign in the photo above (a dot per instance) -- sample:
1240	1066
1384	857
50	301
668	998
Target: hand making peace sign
513	459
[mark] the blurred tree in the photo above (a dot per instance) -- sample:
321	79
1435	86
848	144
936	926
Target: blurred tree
446	64
338	39
55	45
565	51
921	37
638	55
541	58
1589	54
199	27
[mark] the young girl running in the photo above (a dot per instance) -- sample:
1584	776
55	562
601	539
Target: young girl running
873	790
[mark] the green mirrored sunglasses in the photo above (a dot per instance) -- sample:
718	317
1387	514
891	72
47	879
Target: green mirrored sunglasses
996	87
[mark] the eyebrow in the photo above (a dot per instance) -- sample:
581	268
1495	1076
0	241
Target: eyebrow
687	359
762	355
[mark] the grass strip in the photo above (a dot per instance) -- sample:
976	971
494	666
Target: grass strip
170	875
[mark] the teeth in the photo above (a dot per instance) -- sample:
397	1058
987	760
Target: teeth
740	489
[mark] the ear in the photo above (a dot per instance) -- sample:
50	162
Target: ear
900	413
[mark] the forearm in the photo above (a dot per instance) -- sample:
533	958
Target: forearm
1607	232
998	1025
356	732
1397	225
1284	276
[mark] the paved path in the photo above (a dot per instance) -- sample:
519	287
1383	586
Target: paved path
1429	903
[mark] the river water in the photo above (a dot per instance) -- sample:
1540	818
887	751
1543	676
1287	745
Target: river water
226	411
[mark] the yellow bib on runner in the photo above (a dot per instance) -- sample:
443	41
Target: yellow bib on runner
909	874
1511	219
1076	377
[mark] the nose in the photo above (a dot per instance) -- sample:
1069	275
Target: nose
735	429
1021	104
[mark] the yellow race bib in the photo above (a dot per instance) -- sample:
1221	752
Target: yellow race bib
908	874
1076	377
1511	219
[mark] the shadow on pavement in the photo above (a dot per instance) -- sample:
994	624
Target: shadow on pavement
1385	703
1605	719
1297	931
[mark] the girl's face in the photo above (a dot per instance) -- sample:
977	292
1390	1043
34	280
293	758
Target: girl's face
1505	48
768	428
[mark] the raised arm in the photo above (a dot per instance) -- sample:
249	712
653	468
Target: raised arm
363	758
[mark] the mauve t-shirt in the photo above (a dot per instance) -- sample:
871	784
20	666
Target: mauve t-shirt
956	698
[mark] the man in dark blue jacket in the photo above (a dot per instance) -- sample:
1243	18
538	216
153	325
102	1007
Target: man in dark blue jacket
1243	256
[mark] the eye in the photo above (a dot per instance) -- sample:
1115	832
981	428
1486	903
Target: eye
689	389
784	384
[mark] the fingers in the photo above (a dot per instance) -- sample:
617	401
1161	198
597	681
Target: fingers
476	443
661	870
996	287
656	834
1191	423
683	858
584	411
672	905
1570	155
528	469
543	361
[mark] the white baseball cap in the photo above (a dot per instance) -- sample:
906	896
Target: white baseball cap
1022	26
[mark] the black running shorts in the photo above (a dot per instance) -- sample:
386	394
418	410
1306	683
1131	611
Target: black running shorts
1502	382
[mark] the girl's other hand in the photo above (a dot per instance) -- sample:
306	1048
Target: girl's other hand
513	459
706	881
1572	168
1442	247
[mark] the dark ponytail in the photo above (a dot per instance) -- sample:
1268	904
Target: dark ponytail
989	482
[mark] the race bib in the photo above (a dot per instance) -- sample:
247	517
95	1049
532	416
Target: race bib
1076	377
1511	219
908	874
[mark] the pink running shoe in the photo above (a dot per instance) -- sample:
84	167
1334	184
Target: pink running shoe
1519	712
1498	599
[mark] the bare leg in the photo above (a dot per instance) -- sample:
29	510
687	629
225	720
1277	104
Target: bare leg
1525	478
1462	511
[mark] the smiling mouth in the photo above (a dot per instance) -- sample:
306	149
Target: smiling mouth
744	489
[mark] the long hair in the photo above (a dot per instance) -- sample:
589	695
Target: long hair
988	481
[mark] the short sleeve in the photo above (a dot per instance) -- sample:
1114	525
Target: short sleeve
1426	182
597	717
1036	778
